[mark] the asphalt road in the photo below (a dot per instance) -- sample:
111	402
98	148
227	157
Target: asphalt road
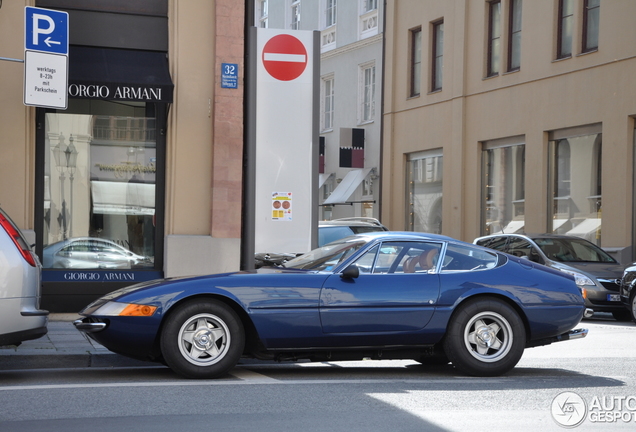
338	396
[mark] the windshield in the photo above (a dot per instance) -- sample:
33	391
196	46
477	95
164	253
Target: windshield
572	250
328	256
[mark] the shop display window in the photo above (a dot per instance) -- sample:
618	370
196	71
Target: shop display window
100	173
424	191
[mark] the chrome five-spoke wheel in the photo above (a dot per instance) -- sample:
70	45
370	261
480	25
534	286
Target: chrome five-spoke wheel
488	337
485	337
202	339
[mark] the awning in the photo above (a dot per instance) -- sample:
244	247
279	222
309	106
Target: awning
123	198
514	226
322	179
347	186
117	74
558	223
586	229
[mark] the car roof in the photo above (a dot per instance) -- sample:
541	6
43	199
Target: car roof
404	235
532	236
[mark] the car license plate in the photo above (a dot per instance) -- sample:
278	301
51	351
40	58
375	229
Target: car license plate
614	297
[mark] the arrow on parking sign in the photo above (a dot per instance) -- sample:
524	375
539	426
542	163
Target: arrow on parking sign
45	30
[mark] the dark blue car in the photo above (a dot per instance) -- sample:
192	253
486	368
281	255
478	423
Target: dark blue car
382	295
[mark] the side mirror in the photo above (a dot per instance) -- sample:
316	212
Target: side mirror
351	272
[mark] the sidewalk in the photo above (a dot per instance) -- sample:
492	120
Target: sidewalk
62	347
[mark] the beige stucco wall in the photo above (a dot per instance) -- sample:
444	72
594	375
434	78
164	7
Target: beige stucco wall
17	130
545	95
205	139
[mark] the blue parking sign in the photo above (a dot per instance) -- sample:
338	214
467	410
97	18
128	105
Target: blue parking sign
45	30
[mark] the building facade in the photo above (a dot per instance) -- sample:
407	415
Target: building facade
141	175
350	96
510	115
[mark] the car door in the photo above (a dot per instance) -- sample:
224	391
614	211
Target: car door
393	292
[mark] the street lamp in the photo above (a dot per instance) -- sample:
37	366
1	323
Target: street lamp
65	160
71	165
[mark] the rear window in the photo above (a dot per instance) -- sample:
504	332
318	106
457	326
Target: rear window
330	234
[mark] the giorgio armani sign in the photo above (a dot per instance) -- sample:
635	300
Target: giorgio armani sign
117	92
117	74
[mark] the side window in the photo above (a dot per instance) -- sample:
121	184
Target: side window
400	257
466	258
524	249
366	261
497	243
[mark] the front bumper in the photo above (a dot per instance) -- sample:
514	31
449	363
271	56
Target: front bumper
89	327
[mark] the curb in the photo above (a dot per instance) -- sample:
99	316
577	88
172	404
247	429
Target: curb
70	361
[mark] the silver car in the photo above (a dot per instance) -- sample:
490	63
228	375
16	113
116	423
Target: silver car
21	318
594	270
91	252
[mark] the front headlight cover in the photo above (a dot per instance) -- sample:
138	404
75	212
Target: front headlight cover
579	278
113	308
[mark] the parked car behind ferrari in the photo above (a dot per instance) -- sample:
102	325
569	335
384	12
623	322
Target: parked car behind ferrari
628	290
594	270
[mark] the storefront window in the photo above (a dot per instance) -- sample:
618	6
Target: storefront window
503	187
99	186
424	189
576	184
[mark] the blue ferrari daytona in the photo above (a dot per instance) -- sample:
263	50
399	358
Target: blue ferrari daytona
384	295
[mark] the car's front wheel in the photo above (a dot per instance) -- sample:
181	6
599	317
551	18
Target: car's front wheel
632	307
485	337
202	339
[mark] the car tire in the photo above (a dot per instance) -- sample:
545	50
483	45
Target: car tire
485	337
622	316
202	339
632	307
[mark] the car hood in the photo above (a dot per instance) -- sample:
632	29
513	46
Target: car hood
598	270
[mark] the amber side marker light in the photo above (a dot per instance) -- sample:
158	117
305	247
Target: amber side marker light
138	310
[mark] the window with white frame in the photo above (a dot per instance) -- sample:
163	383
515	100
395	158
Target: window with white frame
367	92
328	34
330	13
295	15
327	99
262	6
369	5
368	18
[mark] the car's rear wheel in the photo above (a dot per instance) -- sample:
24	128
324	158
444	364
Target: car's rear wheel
632	307
485	337
202	339
622	315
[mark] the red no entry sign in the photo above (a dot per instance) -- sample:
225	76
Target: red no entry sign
284	57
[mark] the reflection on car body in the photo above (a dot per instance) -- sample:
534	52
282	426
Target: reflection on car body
91	252
381	295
